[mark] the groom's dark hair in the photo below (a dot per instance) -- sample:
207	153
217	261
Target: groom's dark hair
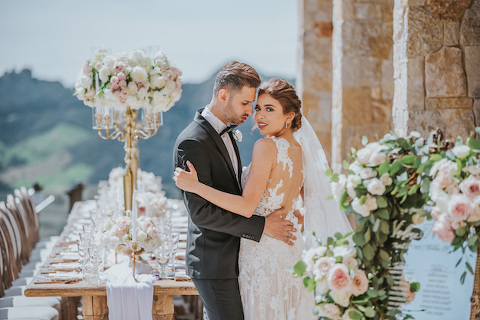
234	76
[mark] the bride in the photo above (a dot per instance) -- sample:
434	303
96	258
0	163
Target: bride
286	165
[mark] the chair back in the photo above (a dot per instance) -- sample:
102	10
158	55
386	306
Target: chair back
19	222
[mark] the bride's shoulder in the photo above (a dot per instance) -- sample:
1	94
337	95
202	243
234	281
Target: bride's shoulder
265	146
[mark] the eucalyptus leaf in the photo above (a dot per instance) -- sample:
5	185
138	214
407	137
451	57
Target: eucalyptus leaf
368	252
382	202
364	140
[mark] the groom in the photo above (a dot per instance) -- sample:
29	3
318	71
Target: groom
214	233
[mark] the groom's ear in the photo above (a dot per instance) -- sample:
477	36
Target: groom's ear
223	95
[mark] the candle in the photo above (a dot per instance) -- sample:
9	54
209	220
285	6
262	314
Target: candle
134	226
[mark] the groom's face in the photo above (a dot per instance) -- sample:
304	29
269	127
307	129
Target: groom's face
239	105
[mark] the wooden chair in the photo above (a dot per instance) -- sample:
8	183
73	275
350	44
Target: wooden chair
31	215
9	263
23	226
11	238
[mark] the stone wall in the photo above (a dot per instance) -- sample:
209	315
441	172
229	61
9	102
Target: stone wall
362	73
314	76
437	66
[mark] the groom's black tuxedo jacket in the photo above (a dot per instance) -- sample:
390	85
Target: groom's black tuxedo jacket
213	233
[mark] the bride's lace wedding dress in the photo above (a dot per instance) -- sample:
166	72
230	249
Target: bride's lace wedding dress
268	290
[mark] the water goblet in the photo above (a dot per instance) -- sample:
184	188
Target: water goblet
163	254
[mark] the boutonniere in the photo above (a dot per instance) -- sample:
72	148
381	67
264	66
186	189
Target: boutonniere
237	135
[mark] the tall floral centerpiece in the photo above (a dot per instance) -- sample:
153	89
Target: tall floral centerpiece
128	93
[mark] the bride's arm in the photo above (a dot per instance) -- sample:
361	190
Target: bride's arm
263	158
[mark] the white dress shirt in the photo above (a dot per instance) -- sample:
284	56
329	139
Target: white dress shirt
218	125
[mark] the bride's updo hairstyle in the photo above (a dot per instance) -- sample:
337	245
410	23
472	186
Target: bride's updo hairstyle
283	92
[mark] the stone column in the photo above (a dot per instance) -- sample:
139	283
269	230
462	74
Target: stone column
437	66
362	85
314	76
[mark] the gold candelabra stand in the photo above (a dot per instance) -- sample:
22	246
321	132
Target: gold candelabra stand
125	128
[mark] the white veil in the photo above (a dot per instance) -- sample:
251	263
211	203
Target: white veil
322	216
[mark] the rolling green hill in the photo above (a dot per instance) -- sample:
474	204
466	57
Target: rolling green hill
46	136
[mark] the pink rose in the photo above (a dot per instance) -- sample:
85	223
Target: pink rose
114	80
444	178
359	283
122	83
116	93
459	208
168	75
115	87
338	278
436	213
141	211
118	66
322	266
443	229
179	83
121	76
470	187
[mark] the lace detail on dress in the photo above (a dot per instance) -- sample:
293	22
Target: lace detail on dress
282	156
268	289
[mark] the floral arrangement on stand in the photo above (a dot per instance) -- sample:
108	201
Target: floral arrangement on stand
455	197
129	79
117	231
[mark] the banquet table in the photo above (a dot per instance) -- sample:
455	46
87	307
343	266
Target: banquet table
95	295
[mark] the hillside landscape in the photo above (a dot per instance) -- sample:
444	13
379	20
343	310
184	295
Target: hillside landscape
46	136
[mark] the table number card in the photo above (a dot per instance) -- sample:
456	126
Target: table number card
441	295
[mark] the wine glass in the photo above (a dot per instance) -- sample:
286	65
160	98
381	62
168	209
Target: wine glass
163	254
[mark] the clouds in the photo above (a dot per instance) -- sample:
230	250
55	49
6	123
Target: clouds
54	37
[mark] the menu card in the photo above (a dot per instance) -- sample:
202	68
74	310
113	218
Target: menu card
441	294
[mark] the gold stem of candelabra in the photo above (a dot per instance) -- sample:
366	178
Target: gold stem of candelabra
130	166
134	258
475	299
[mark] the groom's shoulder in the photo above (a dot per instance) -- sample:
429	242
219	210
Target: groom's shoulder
193	131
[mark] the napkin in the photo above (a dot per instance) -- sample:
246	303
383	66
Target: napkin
127	299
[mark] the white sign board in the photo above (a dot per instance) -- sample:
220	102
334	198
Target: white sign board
441	295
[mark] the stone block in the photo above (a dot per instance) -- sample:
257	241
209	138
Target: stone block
472	67
414	84
424	121
458	122
470	26
476	111
361	71
382	111
367	11
413	3
448	103
323	28
425	32
444	74
309	101
451	33
356	106
387	80
450	10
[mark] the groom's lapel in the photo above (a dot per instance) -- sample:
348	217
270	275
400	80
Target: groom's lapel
239	160
216	138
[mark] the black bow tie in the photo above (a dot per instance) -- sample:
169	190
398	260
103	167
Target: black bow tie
229	128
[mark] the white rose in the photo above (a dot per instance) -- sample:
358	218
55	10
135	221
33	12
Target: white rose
139	74
376	187
355	167
371	203
367	173
360	208
311	255
157	82
84	81
238	135
417	219
473	169
475	214
104	74
133	102
169	88
377	158
386	179
363	155
177	94
141	235
344	251
329	310
132	88
142	93
341	298
461	151
354	180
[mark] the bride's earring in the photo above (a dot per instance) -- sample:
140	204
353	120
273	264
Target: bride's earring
286	125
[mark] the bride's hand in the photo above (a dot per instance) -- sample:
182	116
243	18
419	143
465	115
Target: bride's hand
186	180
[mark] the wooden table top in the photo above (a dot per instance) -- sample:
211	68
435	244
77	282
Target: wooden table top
81	288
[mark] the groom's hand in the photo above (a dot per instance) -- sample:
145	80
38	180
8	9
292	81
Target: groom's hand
279	228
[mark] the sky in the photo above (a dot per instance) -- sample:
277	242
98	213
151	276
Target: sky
54	37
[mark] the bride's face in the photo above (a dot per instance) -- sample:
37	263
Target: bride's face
269	116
